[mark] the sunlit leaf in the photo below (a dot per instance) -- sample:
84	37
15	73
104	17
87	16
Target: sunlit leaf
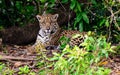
72	5
43	1
103	63
79	7
53	59
107	23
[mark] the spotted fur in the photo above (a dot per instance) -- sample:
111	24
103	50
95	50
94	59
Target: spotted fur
48	27
50	32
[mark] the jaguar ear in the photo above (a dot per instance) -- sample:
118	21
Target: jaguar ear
39	18
55	17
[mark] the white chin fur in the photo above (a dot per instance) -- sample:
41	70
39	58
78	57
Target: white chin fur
43	39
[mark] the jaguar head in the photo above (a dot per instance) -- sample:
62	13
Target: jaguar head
48	24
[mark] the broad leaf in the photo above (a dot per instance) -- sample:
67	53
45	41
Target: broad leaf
79	17
85	17
107	23
72	5
64	1
79	7
102	22
80	26
43	1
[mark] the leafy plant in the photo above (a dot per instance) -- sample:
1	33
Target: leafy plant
2	66
8	71
24	70
63	42
102	16
16	13
81	15
89	17
4	70
84	61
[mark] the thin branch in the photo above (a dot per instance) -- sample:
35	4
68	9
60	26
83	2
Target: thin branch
61	5
117	12
4	57
94	14
111	21
45	8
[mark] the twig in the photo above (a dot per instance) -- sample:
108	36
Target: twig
45	8
117	12
111	21
94	14
61	5
4	57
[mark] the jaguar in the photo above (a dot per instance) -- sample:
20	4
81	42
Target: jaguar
50	32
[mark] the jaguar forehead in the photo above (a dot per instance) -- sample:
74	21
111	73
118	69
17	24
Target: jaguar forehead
50	17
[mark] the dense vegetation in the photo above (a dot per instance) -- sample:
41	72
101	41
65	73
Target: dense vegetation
100	16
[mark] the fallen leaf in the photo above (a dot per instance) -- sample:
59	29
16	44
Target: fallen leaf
103	63
17	64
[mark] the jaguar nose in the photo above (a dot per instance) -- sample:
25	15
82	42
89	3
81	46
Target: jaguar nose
48	30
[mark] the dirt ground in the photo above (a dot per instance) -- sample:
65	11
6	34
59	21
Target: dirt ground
16	56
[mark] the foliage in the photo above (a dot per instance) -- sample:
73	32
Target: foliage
106	19
81	14
102	16
24	70
89	17
1	67
16	13
5	70
76	61
63	42
99	15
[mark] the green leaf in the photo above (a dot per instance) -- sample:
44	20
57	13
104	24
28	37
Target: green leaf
52	5
18	5
72	4
80	26
94	2
107	23
78	18
1	27
85	17
43	1
52	1
64	1
79	7
75	23
117	25
102	22
62	38
54	58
